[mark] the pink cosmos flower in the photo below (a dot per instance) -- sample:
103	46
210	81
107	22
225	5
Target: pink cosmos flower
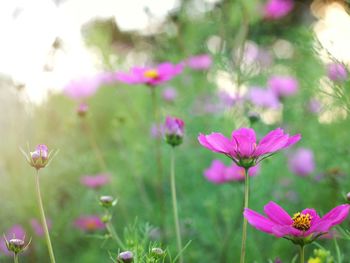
302	228
169	94
337	72
149	75
82	88
302	162
283	86
16	231
218	173
264	98
37	227
96	181
174	130
89	223
276	9
243	148
41	151
82	109
199	62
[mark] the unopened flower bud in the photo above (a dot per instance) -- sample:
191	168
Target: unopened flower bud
337	72
157	252
348	197
174	130
106	218
107	201
40	157
82	109
125	257
15	245
253	117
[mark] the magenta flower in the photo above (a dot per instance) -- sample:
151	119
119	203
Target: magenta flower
302	162
151	76
264	98
337	72
243	148
95	181
283	86
218	173
89	223
37	227
169	94
302	228
276	9
174	130
83	88
16	231
199	62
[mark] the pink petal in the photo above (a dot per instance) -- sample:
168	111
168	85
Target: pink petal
216	142
322	226
281	231
258	221
292	140
272	145
337	214
314	216
277	214
246	141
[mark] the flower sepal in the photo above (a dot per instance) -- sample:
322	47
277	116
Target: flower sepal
173	139
247	162
16	245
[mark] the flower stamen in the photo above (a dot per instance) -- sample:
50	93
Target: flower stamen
302	221
151	73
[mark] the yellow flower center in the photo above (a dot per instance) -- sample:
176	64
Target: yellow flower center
151	73
302	221
314	260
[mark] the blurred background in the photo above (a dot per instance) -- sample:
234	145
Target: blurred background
52	50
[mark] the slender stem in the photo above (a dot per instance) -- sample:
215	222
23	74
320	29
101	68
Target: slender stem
302	253
15	258
94	145
173	195
114	235
43	219
246	205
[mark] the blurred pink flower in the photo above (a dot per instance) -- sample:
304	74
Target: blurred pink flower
303	227
157	130
151	76
243	147
82	109
169	94
276	9
199	62
218	173
37	227
82	88
302	162
16	231
263	98
314	106
283	86
95	181
89	223
337	72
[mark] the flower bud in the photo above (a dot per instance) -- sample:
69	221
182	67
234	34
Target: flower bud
157	252
82	109
40	157
174	130
107	201
125	257
15	245
253	117
348	197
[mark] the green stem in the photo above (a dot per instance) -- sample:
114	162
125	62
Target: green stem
302	253
114	235
246	205
15	258
175	211
43	219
